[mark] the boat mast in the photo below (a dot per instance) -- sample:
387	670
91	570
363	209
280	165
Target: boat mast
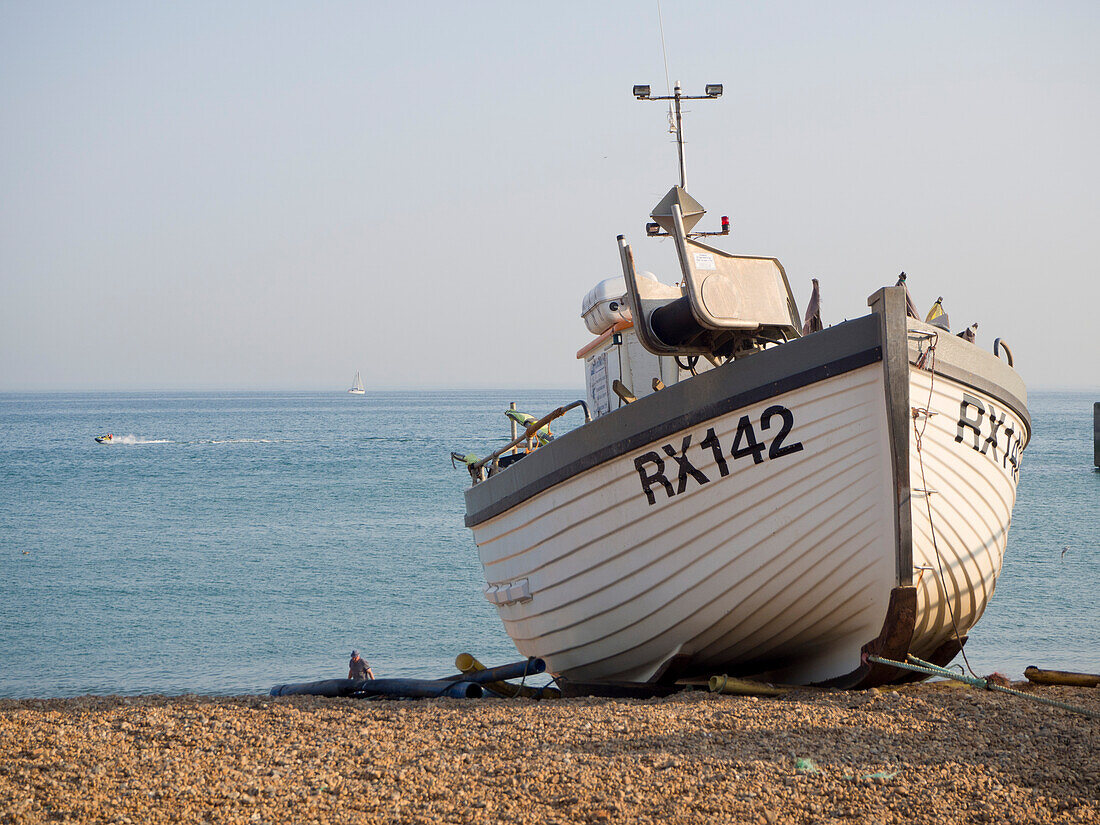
713	90
680	138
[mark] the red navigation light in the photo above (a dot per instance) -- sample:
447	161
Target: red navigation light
725	224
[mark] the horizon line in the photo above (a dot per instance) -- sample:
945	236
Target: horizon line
396	388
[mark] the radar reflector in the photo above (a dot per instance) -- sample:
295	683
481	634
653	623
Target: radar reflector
690	209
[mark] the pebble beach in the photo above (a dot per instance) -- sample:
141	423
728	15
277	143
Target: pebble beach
935	753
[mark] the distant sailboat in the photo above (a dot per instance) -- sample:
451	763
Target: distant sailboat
357	387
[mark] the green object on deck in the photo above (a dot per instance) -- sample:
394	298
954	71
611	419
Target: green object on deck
525	420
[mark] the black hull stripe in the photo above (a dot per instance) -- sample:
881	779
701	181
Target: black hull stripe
493	494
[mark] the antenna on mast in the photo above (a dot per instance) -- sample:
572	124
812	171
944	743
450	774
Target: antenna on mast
664	55
713	90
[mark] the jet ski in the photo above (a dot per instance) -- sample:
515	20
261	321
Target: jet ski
105	439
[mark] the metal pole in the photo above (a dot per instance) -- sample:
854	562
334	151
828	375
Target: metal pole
1096	434
528	434
512	406
680	139
642	93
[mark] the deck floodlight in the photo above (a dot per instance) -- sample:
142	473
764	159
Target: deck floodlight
642	92
713	89
653	229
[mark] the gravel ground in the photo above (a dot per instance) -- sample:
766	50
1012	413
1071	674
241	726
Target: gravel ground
928	753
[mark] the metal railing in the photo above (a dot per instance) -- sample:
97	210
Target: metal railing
998	345
477	468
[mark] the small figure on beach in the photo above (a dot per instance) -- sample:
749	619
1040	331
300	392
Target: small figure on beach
359	668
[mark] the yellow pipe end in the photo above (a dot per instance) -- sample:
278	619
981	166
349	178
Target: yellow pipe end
743	687
467	663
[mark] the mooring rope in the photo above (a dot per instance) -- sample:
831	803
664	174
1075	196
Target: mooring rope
929	669
929	357
523	681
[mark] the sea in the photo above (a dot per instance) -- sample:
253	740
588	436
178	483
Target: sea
229	542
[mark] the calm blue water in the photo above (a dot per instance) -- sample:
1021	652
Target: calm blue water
239	541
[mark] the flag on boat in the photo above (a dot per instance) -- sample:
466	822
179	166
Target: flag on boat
910	307
937	317
813	312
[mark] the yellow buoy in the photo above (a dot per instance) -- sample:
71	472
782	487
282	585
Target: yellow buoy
1061	677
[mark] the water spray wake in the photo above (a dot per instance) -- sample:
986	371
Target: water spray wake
132	439
240	441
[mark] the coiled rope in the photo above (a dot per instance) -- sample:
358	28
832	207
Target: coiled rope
920	666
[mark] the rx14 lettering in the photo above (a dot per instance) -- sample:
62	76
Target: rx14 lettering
651	466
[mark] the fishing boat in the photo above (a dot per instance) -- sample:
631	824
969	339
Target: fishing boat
749	494
357	385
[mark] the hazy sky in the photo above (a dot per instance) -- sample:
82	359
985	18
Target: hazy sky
273	195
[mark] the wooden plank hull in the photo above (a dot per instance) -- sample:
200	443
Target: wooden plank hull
963	475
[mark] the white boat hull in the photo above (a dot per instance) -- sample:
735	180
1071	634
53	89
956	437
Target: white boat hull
963	492
775	561
685	554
